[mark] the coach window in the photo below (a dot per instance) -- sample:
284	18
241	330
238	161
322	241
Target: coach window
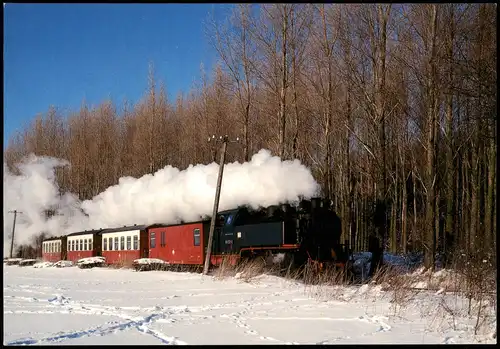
129	242
152	242
122	243
116	244
105	244
136	242
196	234
81	245
85	244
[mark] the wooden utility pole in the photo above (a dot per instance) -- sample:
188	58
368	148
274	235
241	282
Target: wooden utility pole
15	212
224	140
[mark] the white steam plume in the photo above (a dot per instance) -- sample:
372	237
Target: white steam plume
33	192
168	196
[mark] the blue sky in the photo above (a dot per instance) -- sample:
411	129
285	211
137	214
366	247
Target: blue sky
60	54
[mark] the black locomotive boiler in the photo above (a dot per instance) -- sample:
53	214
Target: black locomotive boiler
309	231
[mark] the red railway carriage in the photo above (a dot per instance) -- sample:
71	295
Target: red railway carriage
179	244
83	244
121	246
54	249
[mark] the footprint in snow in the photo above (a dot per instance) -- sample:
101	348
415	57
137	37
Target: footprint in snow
449	340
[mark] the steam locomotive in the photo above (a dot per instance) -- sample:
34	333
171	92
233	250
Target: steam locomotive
310	231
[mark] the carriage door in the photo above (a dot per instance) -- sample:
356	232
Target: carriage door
226	236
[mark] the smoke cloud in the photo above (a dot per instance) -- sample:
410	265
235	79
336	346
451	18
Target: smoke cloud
167	196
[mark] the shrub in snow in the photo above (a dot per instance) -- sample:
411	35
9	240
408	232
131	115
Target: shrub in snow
27	262
63	264
12	261
91	262
145	264
43	265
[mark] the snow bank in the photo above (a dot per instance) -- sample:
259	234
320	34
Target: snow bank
124	307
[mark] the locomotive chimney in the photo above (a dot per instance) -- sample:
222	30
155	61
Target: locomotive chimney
315	204
286	209
305	206
272	211
326	204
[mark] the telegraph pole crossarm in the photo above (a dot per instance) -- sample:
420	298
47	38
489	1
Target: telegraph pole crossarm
224	140
15	212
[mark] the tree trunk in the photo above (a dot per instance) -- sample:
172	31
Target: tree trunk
404	200
430	243
284	82
450	168
489	205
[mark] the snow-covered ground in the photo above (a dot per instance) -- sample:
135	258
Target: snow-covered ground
121	306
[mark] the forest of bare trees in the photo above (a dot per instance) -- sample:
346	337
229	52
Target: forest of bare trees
393	108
